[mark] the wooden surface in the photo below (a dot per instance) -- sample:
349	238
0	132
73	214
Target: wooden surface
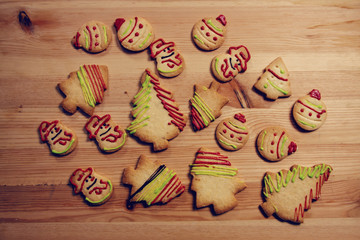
320	44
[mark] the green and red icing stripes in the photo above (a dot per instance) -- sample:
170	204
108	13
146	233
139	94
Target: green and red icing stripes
296	172
162	186
92	84
141	104
201	114
212	164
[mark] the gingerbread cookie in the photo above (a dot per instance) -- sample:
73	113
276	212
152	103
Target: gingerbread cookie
209	33
84	88
274	82
157	115
206	105
226	66
134	34
152	183
169	61
274	144
109	135
290	192
61	140
309	111
95	188
93	36
232	133
215	181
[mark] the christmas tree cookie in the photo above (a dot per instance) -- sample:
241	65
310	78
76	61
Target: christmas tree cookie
274	82
84	88
309	111
152	183
215	181
206	105
289	193
157	115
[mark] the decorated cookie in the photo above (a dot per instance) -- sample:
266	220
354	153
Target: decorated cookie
95	188
134	34
289	193
274	144
226	66
152	183
206	105
170	62
209	33
309	111
232	133
109	135
93	36
61	140
274	82
215	181
84	88
157	115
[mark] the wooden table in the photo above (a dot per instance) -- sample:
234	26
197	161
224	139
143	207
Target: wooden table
320	44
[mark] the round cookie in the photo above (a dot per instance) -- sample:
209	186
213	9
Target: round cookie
309	111
93	36
232	133
274	144
209	33
134	34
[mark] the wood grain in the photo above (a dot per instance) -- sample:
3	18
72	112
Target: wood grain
320	44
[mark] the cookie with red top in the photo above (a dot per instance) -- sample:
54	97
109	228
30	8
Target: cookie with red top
209	33
93	36
309	111
134	34
232	133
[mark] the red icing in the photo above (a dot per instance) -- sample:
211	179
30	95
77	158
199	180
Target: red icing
90	38
240	117
239	56
99	122
208	34
242	58
220	159
234	130
310	114
212	29
96	81
322	111
98	190
77	36
214	38
172	63
292	148
130	40
78	183
221	18
202	28
231	135
164	95
136	19
94	28
315	94
118	23
140	26
240	138
277	76
96	44
197	121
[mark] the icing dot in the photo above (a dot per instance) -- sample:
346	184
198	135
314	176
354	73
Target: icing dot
215	38
96	35
141	26
232	135
169	123
130	40
310	114
271	151
302	110
224	131
96	44
202	28
318	116
136	34
275	134
208	34
272	143
94	28
240	138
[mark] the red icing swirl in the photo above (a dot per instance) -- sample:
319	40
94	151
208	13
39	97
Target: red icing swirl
315	94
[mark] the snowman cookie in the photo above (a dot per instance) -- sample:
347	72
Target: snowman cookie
109	135
309	111
209	33
226	66
170	62
96	188
61	140
93	36
232	133
134	34
274	144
